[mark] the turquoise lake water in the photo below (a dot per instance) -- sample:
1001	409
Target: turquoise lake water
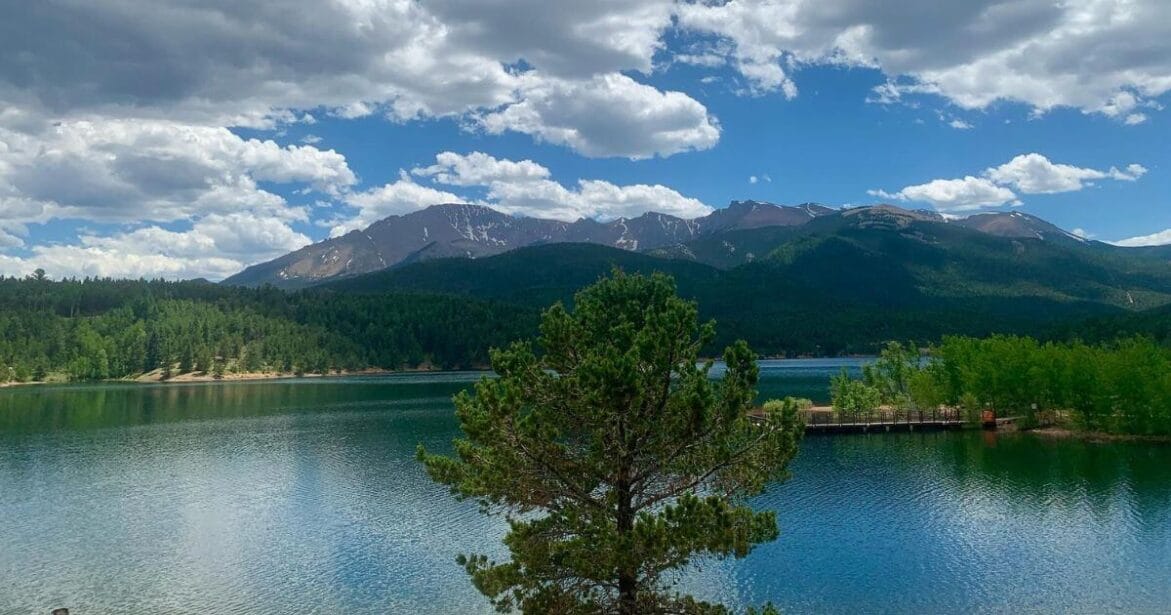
303	496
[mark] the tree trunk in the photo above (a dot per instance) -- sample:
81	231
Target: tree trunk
627	594
627	581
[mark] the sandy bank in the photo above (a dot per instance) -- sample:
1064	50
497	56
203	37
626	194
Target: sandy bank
1094	436
156	376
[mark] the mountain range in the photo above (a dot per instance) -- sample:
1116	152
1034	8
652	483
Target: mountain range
474	231
790	279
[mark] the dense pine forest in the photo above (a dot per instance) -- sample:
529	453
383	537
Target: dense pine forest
446	314
96	329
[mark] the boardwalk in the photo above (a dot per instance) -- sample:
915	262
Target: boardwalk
818	421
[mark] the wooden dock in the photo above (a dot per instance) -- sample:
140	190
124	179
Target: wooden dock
882	421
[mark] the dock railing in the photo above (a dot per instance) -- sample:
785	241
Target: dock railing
885	418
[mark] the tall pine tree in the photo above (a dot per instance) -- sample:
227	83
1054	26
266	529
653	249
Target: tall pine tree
613	455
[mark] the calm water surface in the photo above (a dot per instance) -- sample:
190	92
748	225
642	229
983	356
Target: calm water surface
304	497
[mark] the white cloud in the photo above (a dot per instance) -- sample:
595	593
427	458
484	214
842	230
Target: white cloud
1035	174
230	63
265	62
966	194
959	124
206	179
1154	239
214	247
9	240
525	188
127	122
120	170
1083	233
566	38
479	169
400	197
1099	56
82	261
1131	173
1026	174
608	115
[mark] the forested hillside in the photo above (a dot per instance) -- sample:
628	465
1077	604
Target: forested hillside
840	281
847	299
991	255
839	284
96	329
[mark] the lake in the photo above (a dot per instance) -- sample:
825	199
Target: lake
303	496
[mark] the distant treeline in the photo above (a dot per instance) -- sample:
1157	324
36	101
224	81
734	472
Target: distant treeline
850	299
1120	387
99	328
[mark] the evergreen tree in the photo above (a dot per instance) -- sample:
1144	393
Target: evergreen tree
186	360
40	369
154	352
251	359
614	456
203	360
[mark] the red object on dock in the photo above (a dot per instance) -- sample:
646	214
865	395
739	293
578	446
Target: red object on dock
988	418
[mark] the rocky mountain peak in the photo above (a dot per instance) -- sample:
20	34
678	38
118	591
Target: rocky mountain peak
473	231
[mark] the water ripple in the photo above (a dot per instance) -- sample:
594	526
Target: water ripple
305	497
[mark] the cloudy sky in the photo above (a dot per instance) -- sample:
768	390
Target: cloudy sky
185	138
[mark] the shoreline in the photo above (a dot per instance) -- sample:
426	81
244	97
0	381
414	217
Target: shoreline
1064	433
155	377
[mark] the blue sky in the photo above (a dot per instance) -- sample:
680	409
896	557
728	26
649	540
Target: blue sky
191	143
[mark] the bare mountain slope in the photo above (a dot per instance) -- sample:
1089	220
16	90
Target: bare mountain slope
474	231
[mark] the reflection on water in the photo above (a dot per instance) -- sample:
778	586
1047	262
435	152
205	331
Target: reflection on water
303	496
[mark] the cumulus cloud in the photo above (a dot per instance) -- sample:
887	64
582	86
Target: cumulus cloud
1027	174
143	173
120	170
231	63
525	188
608	115
214	247
205	62
517	65
1100	56
1035	174
518	187
965	194
563	38
9	240
1160	238
117	112
479	169
396	198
